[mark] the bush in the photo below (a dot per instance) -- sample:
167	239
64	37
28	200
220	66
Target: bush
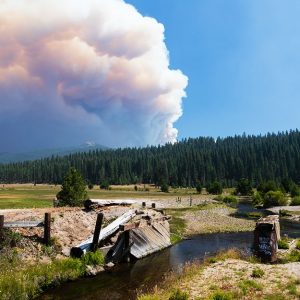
257	199
104	185
73	191
230	200
179	295
164	188
90	186
243	187
135	188
267	186
198	187
294	256
274	198
295	190
257	273
215	188
298	244
295	201
283	244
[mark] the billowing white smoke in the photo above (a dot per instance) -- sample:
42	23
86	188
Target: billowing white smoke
85	69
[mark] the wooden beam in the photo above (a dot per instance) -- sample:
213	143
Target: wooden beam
97	231
23	224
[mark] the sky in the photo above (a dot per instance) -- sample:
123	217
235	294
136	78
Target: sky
140	72
242	58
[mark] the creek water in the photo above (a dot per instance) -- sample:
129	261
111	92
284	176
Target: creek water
125	281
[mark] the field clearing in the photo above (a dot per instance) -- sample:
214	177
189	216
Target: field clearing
42	195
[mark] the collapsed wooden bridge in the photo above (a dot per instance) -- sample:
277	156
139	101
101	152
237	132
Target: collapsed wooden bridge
139	233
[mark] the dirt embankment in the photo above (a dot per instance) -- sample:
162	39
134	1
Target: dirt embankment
69	227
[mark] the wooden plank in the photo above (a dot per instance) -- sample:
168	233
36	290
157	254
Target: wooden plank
109	202
23	224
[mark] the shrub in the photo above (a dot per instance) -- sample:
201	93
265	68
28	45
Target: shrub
298	244
243	187
104	185
135	188
266	186
274	198
90	186
215	188
230	200
295	201
257	199
164	188
295	190
179	295
283	244
293	256
257	273
199	187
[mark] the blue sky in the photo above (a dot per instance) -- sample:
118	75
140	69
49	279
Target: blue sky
242	58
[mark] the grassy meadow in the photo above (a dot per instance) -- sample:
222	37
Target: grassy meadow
42	195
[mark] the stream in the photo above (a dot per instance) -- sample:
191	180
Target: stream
125	280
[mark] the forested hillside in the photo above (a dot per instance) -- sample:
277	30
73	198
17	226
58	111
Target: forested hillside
273	156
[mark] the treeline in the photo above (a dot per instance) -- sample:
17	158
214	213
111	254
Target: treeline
258	158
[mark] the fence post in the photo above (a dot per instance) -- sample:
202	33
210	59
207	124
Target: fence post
143	204
47	229
153	205
97	232
1	226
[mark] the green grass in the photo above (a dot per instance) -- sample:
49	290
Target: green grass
247	285
221	295
283	244
19	280
257	273
293	256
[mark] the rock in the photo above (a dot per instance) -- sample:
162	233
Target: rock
109	265
93	270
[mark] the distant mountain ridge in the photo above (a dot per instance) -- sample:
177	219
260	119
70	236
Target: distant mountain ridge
7	157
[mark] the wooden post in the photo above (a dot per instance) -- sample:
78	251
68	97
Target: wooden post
191	201
1	226
97	232
143	204
126	245
153	205
47	229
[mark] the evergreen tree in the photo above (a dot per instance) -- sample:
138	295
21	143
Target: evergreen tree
73	191
243	187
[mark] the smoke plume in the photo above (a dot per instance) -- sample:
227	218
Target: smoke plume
73	70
